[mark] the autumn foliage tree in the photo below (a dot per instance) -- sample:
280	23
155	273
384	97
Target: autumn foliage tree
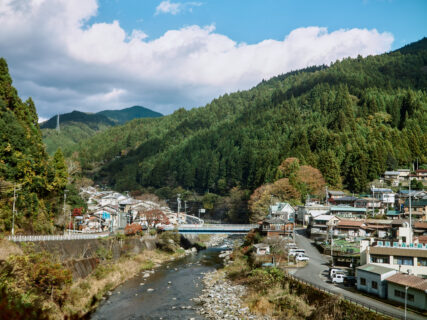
294	183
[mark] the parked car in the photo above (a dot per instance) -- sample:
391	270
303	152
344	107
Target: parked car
333	271
295	252
338	278
302	257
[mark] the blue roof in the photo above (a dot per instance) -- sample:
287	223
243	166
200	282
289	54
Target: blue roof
392	213
347	209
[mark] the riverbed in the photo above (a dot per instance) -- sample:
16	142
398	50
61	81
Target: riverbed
165	294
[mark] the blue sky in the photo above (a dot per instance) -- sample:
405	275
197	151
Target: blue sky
252	21
92	55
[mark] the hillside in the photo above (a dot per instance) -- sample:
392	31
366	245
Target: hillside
352	120
24	163
76	126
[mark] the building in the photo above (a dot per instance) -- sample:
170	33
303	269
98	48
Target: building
346	200
392	177
386	196
277	227
410	258
262	249
348	212
368	203
371	279
320	226
282	210
307	213
350	228
409	288
335	194
420	228
418	209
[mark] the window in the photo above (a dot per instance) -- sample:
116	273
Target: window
363	281
380	259
374	285
406	261
401	294
422	262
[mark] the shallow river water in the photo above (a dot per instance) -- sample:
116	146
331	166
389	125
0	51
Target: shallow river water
174	284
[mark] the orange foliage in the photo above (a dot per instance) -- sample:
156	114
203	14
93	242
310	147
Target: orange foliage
133	229
313	179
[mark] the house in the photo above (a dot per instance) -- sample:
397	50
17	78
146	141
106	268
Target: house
343	211
277	227
420	228
392	177
404	174
307	213
282	210
350	228
386	196
378	228
346	200
369	204
418	209
420	175
410	258
152	218
320	226
371	279
408	288
335	194
392	214
262	249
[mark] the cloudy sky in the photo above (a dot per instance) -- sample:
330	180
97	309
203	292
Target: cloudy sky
93	55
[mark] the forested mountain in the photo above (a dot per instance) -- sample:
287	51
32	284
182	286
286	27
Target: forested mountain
25	165
352	120
125	115
76	126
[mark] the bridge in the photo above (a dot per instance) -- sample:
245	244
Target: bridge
212	228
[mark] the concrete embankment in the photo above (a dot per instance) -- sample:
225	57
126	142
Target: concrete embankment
83	256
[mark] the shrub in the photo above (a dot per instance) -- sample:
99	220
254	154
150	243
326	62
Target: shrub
133	229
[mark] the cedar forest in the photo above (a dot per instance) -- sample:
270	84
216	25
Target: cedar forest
342	125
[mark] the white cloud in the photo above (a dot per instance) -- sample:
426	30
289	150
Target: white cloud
175	7
65	65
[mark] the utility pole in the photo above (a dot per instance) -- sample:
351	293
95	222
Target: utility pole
13	209
185	207
410	209
63	207
178	199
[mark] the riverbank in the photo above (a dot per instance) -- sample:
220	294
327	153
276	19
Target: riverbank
221	299
37	284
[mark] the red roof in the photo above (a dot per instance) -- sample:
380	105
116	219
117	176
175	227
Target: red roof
420	225
350	223
409	281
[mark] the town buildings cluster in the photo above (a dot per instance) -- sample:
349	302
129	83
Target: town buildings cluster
380	236
109	211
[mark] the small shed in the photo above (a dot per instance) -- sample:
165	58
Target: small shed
371	278
262	249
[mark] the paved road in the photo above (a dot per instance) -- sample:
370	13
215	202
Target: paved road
316	273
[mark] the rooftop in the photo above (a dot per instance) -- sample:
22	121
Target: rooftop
409	281
351	223
347	209
372	268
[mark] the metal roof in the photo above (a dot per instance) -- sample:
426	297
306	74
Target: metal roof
372	268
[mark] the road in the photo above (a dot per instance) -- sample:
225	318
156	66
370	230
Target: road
316	273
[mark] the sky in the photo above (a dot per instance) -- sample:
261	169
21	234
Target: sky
93	55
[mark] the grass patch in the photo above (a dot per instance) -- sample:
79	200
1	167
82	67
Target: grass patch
147	265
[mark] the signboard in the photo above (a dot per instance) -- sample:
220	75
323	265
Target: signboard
202	210
106	215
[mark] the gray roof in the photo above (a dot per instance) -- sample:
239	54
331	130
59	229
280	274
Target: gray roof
372	268
276	221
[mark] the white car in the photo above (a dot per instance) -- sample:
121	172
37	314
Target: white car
302	258
338	278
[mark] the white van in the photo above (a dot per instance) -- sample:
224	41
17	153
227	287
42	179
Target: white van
334	271
338	278
294	252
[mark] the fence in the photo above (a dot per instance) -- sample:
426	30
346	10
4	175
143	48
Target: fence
75	236
358	302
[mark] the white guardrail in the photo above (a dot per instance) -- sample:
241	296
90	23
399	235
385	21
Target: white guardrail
77	236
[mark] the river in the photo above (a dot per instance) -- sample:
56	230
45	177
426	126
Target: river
175	283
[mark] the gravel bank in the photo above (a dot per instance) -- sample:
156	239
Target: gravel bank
223	300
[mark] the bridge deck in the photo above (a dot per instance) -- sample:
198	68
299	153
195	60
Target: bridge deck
215	228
